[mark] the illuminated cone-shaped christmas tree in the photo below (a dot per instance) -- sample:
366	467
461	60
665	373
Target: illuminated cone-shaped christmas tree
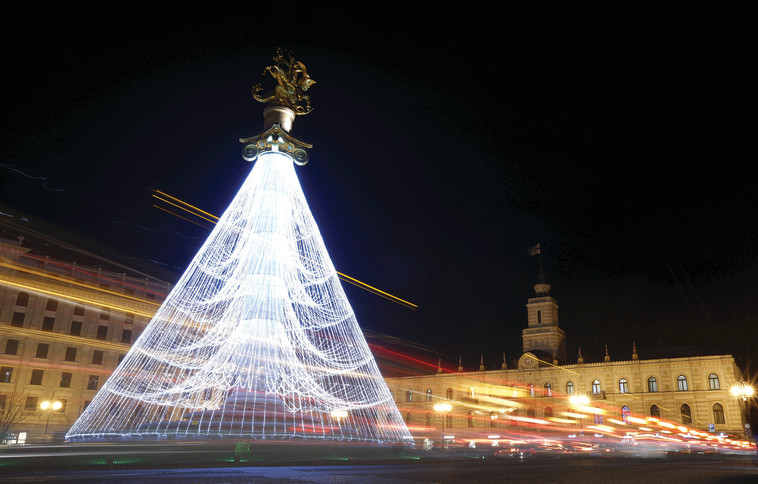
257	338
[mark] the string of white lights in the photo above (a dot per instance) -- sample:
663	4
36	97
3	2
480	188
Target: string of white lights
257	338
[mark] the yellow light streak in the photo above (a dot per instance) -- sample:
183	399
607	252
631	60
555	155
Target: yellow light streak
72	281
182	205
69	297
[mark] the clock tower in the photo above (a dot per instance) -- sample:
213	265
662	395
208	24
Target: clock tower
542	333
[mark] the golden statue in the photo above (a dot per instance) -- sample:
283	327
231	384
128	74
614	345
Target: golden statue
292	82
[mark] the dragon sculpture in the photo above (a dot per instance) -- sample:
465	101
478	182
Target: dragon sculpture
292	83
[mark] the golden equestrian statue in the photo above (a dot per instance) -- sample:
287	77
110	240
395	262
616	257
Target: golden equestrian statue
292	83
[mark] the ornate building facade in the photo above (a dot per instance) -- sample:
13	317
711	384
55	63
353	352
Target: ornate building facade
622	397
65	327
63	330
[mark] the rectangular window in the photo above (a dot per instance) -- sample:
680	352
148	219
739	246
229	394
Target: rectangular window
48	323
42	350
92	382
70	353
31	404
126	336
129	318
11	347
2	403
97	357
102	332
65	380
76	328
18	319
36	378
52	305
105	315
6	372
79	311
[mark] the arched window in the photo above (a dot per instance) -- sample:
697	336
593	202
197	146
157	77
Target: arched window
718	414
470	419
514	419
623	386
548	412
625	413
652	384
449	394
530	412
569	388
471	393
409	396
681	382
713	382
686	414
428	419
449	418
655	412
548	390
598	417
539	316
428	394
22	299
408	418
530	387
595	387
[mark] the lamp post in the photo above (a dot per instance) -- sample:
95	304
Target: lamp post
443	408
50	407
576	401
744	391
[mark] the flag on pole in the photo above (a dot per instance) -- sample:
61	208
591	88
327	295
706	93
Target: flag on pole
534	250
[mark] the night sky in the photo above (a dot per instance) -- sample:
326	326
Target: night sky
446	144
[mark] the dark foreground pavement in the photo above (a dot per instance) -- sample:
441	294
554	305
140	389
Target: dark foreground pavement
668	470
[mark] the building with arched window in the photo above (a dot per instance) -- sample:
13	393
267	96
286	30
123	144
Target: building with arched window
63	338
688	391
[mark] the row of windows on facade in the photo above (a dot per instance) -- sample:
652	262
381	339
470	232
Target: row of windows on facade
22	301
652	386
655	412
75	329
43	349
6	376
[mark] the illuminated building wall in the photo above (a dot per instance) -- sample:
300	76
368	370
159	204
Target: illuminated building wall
119	302
64	328
692	391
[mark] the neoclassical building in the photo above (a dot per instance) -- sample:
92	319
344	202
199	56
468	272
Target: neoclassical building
64	328
535	396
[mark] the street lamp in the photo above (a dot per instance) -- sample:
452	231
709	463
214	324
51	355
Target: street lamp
443	408
577	401
744	391
50	407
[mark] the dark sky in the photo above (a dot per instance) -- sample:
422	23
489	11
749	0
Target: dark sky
446	144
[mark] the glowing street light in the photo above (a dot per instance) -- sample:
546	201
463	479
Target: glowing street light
742	390
578	401
443	408
50	407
